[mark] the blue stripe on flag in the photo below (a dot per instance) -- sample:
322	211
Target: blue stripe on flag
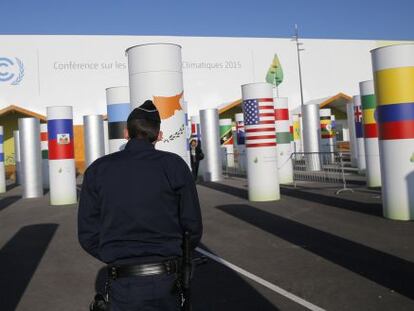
1	139
118	112
358	130
60	126
395	112
1	157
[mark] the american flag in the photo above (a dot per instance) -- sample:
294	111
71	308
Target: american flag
259	121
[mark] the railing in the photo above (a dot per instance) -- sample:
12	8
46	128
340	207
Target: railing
320	167
317	167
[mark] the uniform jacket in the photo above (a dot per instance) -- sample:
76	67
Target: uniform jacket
137	203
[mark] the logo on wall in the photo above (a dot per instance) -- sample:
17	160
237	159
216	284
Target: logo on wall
63	139
11	70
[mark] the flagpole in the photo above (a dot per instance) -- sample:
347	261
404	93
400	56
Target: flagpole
298	49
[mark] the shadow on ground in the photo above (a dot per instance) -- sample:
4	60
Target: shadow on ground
19	259
385	269
373	209
7	201
215	288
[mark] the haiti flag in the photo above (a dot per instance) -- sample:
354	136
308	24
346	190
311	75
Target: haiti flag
60	136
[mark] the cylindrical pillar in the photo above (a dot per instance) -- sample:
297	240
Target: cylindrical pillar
118	109
326	130
259	123
18	174
297	145
311	136
369	106
209	123
352	137
195	127
393	68
106	136
155	72
93	128
283	139
44	148
62	174
29	131
240	142
359	134
226	142
2	167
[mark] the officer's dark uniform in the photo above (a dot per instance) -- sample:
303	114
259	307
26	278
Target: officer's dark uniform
134	207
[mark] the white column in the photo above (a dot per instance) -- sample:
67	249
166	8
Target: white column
155	73
259	122
62	173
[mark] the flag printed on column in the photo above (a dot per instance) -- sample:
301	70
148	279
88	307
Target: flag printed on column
44	145
283	135
60	135
358	122
369	116
259	122
240	131
326	127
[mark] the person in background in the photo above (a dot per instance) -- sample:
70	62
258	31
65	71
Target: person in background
196	155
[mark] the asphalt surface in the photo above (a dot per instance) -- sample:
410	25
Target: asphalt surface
334	251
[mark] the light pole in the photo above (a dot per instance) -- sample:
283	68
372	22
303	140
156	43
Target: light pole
298	49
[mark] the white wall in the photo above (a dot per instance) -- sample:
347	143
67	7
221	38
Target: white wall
214	69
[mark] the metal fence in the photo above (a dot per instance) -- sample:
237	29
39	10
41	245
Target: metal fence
317	167
320	167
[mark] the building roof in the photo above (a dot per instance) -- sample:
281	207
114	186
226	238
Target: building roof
337	103
16	109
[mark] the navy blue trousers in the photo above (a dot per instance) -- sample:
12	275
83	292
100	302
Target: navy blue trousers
144	293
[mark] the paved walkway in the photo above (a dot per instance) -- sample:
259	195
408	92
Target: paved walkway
335	252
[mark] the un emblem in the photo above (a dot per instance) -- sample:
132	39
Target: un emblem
11	70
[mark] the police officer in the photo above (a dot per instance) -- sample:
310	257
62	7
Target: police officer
134	206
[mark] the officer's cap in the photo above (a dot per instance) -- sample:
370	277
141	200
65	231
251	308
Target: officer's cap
147	111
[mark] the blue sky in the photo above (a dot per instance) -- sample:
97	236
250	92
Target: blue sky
346	19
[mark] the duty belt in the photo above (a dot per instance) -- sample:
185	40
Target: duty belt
166	267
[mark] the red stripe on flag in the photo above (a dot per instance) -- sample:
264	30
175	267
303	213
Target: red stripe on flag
248	138
396	130
370	130
60	152
43	136
261	145
264	100
291	129
266	107
267	122
266	129
265	114
282	114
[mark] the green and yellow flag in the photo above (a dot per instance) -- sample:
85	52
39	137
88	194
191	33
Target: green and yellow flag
275	73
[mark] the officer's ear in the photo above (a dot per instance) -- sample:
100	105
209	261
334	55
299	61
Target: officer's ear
126	135
160	136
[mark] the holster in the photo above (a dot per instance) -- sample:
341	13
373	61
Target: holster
100	303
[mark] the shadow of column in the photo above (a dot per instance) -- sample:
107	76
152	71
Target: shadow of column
19	259
7	201
385	269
